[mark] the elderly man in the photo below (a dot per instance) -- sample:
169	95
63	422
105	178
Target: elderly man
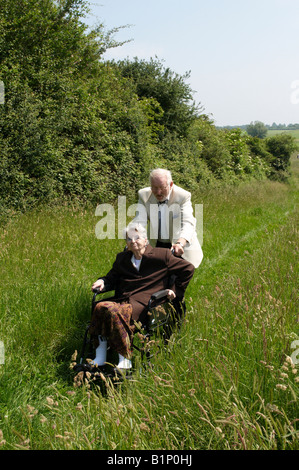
168	210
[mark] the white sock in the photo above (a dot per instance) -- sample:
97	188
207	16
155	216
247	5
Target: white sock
101	352
124	363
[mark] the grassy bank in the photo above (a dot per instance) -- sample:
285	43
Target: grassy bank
225	382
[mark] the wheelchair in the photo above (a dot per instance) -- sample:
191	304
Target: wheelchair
163	317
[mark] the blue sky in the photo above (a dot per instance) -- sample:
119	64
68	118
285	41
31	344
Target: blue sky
243	55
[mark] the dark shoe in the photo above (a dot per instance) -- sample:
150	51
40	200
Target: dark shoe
88	367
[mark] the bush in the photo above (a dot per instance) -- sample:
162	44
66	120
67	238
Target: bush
155	82
281	147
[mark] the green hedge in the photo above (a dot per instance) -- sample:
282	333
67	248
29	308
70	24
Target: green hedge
78	128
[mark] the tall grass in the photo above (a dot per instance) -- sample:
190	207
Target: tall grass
226	381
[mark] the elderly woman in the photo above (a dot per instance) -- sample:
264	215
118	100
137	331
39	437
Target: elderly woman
136	274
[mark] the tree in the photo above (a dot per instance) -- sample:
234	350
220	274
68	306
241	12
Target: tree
281	147
257	129
168	89
58	135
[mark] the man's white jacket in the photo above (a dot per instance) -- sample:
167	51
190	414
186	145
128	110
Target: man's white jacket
179	220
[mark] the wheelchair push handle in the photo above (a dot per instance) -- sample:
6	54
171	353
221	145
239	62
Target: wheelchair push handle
158	297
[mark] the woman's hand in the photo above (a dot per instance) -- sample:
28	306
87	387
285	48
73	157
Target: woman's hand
170	294
99	285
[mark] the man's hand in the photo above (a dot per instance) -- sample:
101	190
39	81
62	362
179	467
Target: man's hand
99	285
178	247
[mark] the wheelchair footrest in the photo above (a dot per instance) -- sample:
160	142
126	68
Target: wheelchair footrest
88	373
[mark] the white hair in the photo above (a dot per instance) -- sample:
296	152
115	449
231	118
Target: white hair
161	172
136	227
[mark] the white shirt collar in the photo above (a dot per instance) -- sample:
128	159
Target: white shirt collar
136	262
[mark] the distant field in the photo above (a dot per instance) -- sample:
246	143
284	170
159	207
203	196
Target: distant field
293	133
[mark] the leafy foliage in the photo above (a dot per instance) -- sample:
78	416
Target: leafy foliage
257	129
281	148
153	81
76	127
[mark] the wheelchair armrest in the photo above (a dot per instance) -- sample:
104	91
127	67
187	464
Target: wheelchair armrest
158	298
95	293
